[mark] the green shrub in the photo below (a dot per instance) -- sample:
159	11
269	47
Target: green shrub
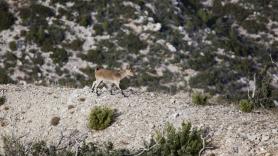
98	28
217	8
199	99
245	106
263	94
90	72
45	36
4	78
254	26
55	121
85	20
13	46
13	146
171	141
183	141
35	14
204	15
132	43
105	25
9	59
94	55
55	34
6	18
239	12
101	117
36	34
199	62
2	100
219	78
4	6
60	56
76	44
38	59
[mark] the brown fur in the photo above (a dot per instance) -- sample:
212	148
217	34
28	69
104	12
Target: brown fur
112	76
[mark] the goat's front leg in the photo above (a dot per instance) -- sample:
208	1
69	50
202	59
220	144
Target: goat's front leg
118	86
93	86
97	87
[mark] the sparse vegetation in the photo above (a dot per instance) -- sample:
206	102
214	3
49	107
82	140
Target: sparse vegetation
7	19
59	56
13	46
254	26
82	99
199	99
4	78
76	45
85	20
35	14
70	107
132	43
55	121
172	141
101	117
246	106
182	141
95	56
2	100
12	146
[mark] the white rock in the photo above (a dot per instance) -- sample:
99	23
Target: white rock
171	47
265	137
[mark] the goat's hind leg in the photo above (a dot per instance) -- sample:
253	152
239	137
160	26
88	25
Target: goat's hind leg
111	89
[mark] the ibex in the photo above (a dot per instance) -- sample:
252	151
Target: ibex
110	76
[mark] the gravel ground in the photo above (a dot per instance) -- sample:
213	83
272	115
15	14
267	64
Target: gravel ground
29	110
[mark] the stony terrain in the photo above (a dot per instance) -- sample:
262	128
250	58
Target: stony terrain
224	48
29	109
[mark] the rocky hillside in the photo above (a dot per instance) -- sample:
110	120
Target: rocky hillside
225	48
218	46
29	109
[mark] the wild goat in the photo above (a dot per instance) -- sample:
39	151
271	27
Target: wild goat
110	76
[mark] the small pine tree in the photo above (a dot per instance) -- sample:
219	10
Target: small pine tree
199	99
13	45
101	117
2	100
182	141
246	106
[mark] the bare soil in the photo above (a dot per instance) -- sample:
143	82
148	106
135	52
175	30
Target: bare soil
29	109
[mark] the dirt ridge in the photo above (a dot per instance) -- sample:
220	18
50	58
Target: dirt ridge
30	109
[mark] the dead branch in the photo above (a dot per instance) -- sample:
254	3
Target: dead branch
276	64
204	145
61	139
147	149
248	92
254	88
3	91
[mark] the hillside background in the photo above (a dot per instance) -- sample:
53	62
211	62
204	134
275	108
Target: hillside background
227	48
173	45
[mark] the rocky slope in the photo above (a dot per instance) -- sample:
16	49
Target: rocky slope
173	44
29	109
